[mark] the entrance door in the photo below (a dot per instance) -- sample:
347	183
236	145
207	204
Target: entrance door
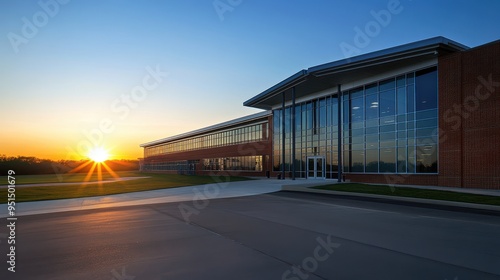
315	167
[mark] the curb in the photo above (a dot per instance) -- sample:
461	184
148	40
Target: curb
409	201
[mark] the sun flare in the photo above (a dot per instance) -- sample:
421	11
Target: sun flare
98	154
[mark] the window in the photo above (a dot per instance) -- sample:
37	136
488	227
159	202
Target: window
426	89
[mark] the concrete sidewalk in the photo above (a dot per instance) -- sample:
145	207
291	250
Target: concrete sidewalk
226	190
191	193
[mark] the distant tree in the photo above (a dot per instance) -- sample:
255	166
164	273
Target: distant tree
24	165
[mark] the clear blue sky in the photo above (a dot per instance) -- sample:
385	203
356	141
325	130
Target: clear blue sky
87	54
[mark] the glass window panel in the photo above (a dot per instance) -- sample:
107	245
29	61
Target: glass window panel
427	159
309	115
371	104
411	141
387	128
371	160
358	139
427	141
401	101
402	142
387	103
346	161
372	123
371	130
355	93
427	114
322	102
388	160
411	159
400	81
401	134
387	136
387	84
426	132
401	126
357	132
357	110
346	112
410	98
322	116
410	78
371	89
358	161
357	146
391	143
426	89
372	138
335	117
427	123
287	121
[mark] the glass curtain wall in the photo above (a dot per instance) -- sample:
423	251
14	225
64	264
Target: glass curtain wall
315	135
389	126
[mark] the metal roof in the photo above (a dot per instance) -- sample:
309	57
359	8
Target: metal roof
208	129
310	78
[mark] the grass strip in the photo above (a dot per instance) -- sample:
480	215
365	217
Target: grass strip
413	192
155	182
65	178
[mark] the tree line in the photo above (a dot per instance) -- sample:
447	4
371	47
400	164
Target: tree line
26	165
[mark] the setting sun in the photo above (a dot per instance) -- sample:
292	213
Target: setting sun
98	154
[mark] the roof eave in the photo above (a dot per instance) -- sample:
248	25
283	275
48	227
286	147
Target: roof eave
289	82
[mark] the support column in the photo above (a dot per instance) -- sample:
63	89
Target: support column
339	133
283	137
293	132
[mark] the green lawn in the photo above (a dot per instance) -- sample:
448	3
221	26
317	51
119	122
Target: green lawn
156	181
413	192
63	178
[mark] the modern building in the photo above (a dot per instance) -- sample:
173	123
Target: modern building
239	147
424	113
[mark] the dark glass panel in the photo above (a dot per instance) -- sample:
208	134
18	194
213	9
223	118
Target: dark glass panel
426	89
387	84
388	160
357	110
371	89
401	101
400	81
371	161
387	103
371	104
355	93
358	161
427	159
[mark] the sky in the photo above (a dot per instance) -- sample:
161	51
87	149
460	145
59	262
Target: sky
115	74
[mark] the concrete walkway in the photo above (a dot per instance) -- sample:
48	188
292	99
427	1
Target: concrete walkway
192	193
201	193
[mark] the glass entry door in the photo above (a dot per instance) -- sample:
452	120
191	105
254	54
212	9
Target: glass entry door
315	167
